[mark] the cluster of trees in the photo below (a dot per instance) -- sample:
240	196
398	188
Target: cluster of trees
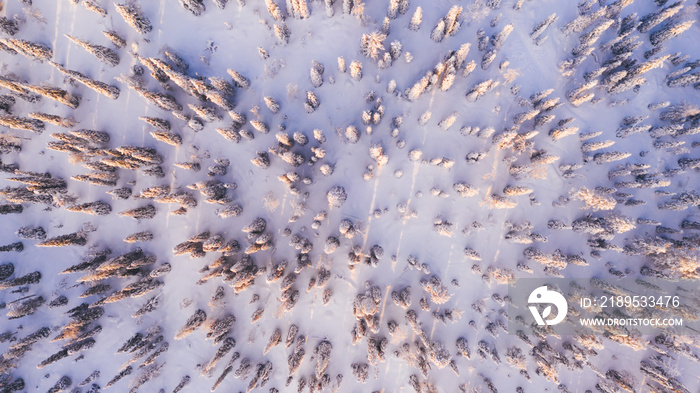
666	258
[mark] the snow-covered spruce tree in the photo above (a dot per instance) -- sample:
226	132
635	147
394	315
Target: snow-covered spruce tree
21	123
403	6
8	26
56	94
220	328
102	53
238	79
312	102
206	113
542	26
453	20
341	64
97	208
34	233
329	8
140	213
377	153
223	350
316	74
488	58
192	323
71	239
438	32
92	6
123	373
356	70
99	138
147	307
347	6
272	104
31	50
133	17
684	80
336	197
196	7
143	236
167	137
652	20
299	9
6	103
163	101
26	307
480	89
323	357
395	50
372	44
416	19
670	30
274	10
230	133
27	279
115	38
62	384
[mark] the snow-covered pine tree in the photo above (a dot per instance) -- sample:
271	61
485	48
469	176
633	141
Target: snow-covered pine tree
133	17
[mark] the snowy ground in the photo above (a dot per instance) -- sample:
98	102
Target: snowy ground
408	205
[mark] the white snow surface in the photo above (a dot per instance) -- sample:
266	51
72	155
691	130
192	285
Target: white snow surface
399	191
